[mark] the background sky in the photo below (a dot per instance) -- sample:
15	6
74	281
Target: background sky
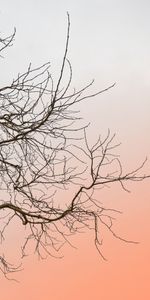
110	42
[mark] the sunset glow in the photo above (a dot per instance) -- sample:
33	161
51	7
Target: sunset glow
110	42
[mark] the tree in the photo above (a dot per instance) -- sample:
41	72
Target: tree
44	152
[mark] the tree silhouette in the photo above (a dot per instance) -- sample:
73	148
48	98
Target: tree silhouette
44	153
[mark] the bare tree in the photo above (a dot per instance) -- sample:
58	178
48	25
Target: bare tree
44	153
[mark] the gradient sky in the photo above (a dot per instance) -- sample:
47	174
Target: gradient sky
110	41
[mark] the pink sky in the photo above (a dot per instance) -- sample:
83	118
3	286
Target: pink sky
109	42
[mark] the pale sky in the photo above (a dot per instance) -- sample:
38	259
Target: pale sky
109	41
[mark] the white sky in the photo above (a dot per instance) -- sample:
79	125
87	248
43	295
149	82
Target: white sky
110	41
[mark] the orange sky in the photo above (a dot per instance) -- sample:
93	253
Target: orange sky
82	274
109	42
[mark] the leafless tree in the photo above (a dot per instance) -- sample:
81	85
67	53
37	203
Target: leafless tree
44	153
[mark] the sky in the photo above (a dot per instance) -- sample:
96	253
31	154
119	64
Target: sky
110	42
